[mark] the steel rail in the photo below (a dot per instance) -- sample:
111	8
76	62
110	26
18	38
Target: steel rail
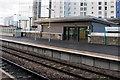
36	74
66	72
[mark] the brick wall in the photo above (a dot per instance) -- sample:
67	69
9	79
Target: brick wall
31	35
55	36
97	39
109	40
113	40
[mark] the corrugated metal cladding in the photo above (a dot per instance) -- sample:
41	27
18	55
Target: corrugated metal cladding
118	9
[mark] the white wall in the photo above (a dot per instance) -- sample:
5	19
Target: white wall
57	6
75	8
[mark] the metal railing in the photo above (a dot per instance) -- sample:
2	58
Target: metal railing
5	30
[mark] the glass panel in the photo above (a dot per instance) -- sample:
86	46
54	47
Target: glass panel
83	33
73	33
76	34
67	34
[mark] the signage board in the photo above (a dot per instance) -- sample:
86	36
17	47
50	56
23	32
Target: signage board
112	29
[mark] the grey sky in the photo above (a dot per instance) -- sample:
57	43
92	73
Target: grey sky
10	7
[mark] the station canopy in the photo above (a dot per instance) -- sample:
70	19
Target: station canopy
74	19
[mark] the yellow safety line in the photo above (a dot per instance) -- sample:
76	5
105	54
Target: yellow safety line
74	50
66	49
1	70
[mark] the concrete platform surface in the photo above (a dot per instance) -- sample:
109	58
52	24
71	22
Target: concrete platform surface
95	48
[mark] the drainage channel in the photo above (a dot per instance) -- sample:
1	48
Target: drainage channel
18	72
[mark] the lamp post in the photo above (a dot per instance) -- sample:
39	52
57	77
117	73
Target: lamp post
49	40
19	23
30	22
50	11
35	34
19	17
49	32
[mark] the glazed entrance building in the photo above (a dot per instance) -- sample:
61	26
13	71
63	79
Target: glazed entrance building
77	33
77	28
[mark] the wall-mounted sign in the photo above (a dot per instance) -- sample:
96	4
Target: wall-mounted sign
112	29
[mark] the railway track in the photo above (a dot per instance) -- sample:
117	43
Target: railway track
68	69
19	72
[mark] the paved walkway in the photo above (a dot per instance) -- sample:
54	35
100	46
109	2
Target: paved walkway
103	49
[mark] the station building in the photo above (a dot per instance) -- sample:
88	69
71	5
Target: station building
74	29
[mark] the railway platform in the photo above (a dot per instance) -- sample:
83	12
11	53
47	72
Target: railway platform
95	48
102	56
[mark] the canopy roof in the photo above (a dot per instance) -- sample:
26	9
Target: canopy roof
74	19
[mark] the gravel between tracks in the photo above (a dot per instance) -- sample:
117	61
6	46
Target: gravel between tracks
49	73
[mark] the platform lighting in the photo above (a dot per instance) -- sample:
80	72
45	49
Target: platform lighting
30	22
49	40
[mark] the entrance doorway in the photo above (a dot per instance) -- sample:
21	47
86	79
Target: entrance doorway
73	34
76	33
83	34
